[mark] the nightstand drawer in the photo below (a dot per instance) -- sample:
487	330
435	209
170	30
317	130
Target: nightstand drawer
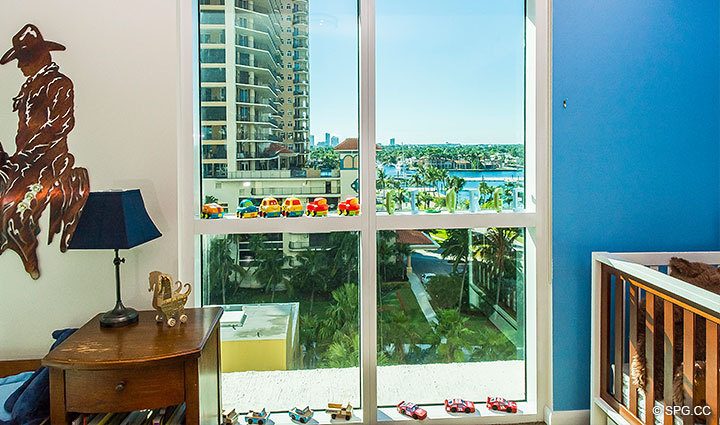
123	390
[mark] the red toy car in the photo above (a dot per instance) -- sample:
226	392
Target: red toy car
459	405
412	410
350	206
317	208
499	403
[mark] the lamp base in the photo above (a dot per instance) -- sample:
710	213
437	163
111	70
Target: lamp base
119	316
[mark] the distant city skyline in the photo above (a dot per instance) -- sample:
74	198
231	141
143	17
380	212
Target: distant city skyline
450	74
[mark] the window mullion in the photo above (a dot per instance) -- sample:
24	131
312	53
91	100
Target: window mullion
368	252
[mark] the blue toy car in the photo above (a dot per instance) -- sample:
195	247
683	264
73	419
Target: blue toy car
246	209
258	418
301	415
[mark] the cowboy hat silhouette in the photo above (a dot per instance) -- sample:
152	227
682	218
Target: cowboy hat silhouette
27	44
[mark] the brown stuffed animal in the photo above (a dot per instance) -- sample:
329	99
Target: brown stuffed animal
703	276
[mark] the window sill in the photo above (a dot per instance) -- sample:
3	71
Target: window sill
527	412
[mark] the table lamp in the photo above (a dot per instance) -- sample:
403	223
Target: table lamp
115	220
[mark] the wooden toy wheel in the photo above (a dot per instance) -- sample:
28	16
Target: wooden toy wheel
467	410
347	417
509	410
159	318
333	416
260	422
183	318
414	415
171	322
453	409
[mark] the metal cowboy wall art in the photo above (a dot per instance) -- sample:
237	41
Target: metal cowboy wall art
41	172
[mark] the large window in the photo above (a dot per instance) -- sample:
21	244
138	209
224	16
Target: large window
370	202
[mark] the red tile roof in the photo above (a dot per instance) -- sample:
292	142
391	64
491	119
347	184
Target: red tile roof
277	148
351	144
413	237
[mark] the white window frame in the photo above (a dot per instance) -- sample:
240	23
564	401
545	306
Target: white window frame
535	218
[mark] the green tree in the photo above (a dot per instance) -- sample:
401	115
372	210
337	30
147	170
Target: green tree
270	271
452	335
221	265
496	251
456	247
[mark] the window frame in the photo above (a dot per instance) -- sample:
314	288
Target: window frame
536	218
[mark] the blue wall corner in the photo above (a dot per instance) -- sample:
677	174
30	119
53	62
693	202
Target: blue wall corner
635	154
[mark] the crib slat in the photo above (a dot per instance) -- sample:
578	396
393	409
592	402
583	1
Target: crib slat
688	363
619	333
668	327
711	370
633	345
649	358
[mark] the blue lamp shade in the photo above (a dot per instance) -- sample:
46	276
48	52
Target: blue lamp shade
114	220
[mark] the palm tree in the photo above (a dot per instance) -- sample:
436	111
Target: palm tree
397	329
309	273
457	247
221	264
496	249
343	314
453	335
269	272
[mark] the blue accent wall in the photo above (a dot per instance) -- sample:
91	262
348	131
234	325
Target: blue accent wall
635	154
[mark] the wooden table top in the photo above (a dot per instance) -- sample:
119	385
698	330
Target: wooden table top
139	345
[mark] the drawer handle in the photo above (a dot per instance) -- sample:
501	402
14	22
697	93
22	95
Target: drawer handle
119	387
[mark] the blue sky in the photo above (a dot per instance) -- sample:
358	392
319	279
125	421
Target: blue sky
448	71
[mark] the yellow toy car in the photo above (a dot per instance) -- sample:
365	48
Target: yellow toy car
269	207
292	207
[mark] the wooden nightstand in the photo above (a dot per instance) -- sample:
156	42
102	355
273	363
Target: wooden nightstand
142	366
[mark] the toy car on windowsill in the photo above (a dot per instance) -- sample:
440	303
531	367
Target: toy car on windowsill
350	206
269	208
292	207
246	209
258	418
502	405
459	405
301	415
317	208
412	410
212	210
230	418
337	410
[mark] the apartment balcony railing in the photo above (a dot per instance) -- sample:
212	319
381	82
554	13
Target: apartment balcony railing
283	174
654	341
299	43
289	191
212	2
300	20
300	92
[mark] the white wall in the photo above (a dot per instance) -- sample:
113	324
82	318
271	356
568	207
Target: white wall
122	57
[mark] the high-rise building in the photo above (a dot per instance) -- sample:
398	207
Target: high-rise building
327	139
254	78
254	73
334	141
392	142
312	140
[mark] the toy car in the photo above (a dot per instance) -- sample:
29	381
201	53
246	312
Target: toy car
499	403
317	208
459	405
229	418
212	210
350	206
292	207
258	418
302	416
269	207
412	410
338	410
246	209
